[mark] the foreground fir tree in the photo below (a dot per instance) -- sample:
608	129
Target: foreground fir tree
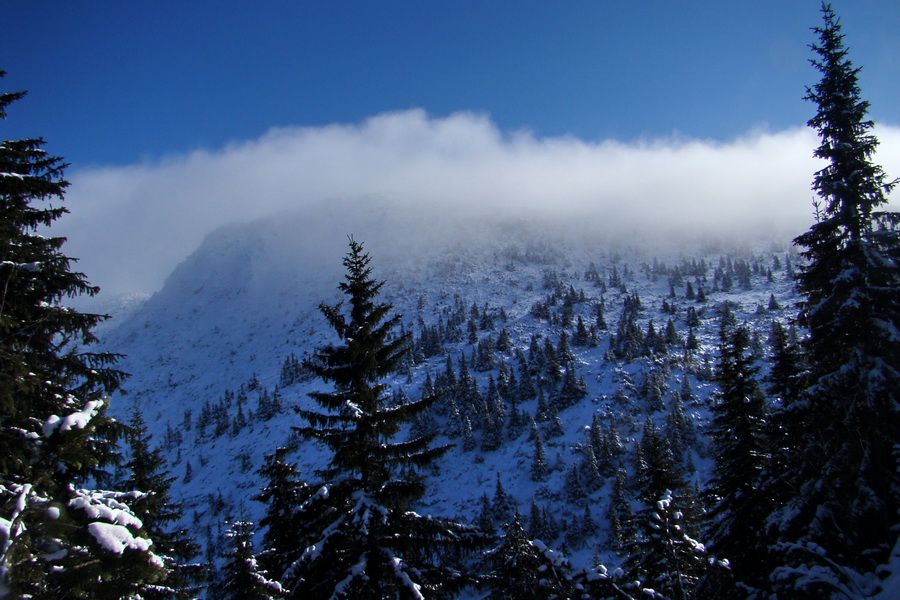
657	469
359	536
839	513
57	540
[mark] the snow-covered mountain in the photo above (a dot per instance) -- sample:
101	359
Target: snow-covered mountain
211	354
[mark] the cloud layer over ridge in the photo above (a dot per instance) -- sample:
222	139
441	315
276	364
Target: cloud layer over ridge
131	225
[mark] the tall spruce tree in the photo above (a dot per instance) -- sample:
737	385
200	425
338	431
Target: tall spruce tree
58	539
360	538
841	491
785	371
620	515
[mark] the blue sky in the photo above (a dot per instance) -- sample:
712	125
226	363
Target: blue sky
182	117
120	82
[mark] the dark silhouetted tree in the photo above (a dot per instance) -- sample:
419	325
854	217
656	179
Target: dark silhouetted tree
523	569
159	514
283	493
59	539
841	488
666	557
359	538
741	448
657	469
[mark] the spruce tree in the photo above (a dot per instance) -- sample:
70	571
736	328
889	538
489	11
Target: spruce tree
590	468
62	540
574	485
839	510
485	519
657	469
582	336
502	504
241	577
539	467
621	517
679	429
784	378
158	513
740	445
666	558
581	530
358	536
572	390
523	569
283	493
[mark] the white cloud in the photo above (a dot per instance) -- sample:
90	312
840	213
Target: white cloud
132	225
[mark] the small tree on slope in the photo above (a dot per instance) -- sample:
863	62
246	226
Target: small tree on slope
242	578
522	569
360	538
283	492
841	491
741	447
666	558
158	513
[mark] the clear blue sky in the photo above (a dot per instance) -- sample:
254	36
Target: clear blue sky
114	83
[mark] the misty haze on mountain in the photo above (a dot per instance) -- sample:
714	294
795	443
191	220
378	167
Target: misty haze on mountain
427	179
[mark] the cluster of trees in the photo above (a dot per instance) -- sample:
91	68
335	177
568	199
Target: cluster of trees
803	498
802	501
352	532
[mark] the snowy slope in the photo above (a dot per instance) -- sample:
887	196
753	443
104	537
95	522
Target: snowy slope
231	313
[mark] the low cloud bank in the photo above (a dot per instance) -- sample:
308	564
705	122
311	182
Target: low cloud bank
131	226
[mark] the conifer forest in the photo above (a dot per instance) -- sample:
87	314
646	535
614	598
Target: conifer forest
534	412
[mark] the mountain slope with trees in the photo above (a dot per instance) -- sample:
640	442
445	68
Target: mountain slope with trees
490	408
